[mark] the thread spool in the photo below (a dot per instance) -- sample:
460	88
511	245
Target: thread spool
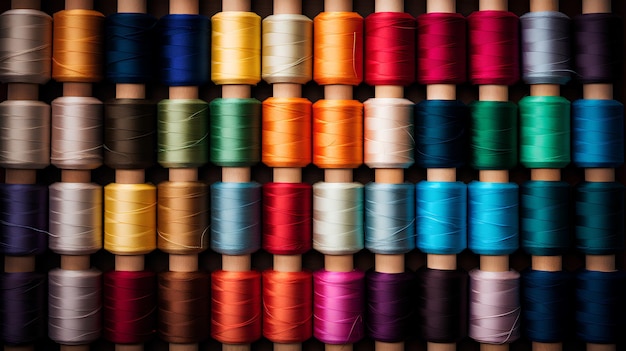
286	84
601	91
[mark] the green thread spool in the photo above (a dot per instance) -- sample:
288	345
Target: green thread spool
493	140
183	129
235	132
544	132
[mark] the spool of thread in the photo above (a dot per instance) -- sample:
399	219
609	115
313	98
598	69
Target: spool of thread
344	323
287	219
22	307
23	219
441	217
130	133
235	132
442	304
390	48
337	133
493	222
24	134
184	49
287	50
493	135
129	306
77	54
493	47
183	217
544	132
183	307
390	306
546	305
545	45
597	39
599	217
494	306
388	133
235	217
338	218
75	218
389	226
441	129
76	133
441	48
25	46
338	48
74	306
183	135
236	48
286	132
599	306
129	218
236	306
544	217
287	306
130	46
597	133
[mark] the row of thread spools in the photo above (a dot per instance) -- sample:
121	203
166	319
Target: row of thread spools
242	213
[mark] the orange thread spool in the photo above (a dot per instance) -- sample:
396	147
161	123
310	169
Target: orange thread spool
286	132
337	133
338	47
287	306
236	306
77	54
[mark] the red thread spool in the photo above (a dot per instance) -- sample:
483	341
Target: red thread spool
129	307
288	306
236	306
390	48
441	48
287	218
494	48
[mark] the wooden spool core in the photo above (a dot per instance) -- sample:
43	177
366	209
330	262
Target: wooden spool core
75	263
79	4
132	6
447	6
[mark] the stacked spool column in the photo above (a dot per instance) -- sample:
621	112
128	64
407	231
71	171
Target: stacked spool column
441	122
493	200
75	288
338	201
388	149
236	200
182	210
598	143
130	205
25	148
545	150
287	202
